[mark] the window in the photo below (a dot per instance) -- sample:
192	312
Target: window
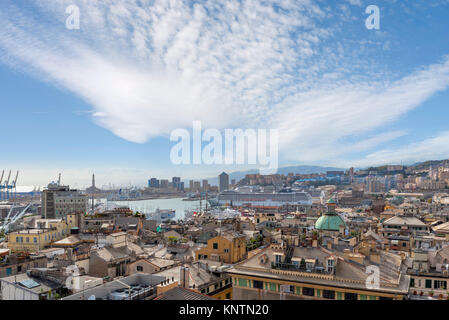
339	296
437	284
226	250
258	284
215	246
228	296
35	240
412	282
428	284
350	296
19	268
329	294
273	287
139	268
308	291
385	298
28	239
330	265
363	297
243	282
278	258
298	290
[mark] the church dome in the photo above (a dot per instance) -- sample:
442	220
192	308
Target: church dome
330	222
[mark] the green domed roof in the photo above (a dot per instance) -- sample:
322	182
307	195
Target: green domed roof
329	222
331	201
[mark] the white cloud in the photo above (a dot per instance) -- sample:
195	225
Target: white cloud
433	148
149	69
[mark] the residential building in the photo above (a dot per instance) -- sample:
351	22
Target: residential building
58	201
229	247
315	273
43	233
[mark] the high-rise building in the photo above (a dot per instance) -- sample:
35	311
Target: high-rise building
191	185
164	184
223	182
153	183
196	185
205	185
176	183
58	201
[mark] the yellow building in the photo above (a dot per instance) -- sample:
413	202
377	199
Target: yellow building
228	248
42	235
73	220
262	217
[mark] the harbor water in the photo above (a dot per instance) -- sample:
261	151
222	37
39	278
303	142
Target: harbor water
148	206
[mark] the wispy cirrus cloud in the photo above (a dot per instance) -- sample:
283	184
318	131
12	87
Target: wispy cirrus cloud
148	67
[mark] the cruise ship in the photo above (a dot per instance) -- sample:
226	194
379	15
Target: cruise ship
261	199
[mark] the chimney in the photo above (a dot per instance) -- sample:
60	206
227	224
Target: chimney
346	253
185	277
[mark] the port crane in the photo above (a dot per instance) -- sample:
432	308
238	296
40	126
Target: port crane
13	187
10	190
4	186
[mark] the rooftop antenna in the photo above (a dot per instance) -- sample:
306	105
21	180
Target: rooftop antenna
93	190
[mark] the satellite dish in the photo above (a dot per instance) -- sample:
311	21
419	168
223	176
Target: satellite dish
92	297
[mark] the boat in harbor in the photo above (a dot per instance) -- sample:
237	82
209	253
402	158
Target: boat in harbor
162	215
216	213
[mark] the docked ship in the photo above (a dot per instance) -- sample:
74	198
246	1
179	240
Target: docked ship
259	199
162	215
223	214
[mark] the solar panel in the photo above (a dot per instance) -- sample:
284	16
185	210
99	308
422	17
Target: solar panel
29	283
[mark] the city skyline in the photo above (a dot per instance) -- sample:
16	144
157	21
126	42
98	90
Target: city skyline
102	99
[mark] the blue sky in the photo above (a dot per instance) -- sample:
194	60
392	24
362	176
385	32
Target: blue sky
106	97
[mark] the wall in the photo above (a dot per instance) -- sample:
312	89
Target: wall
14	292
